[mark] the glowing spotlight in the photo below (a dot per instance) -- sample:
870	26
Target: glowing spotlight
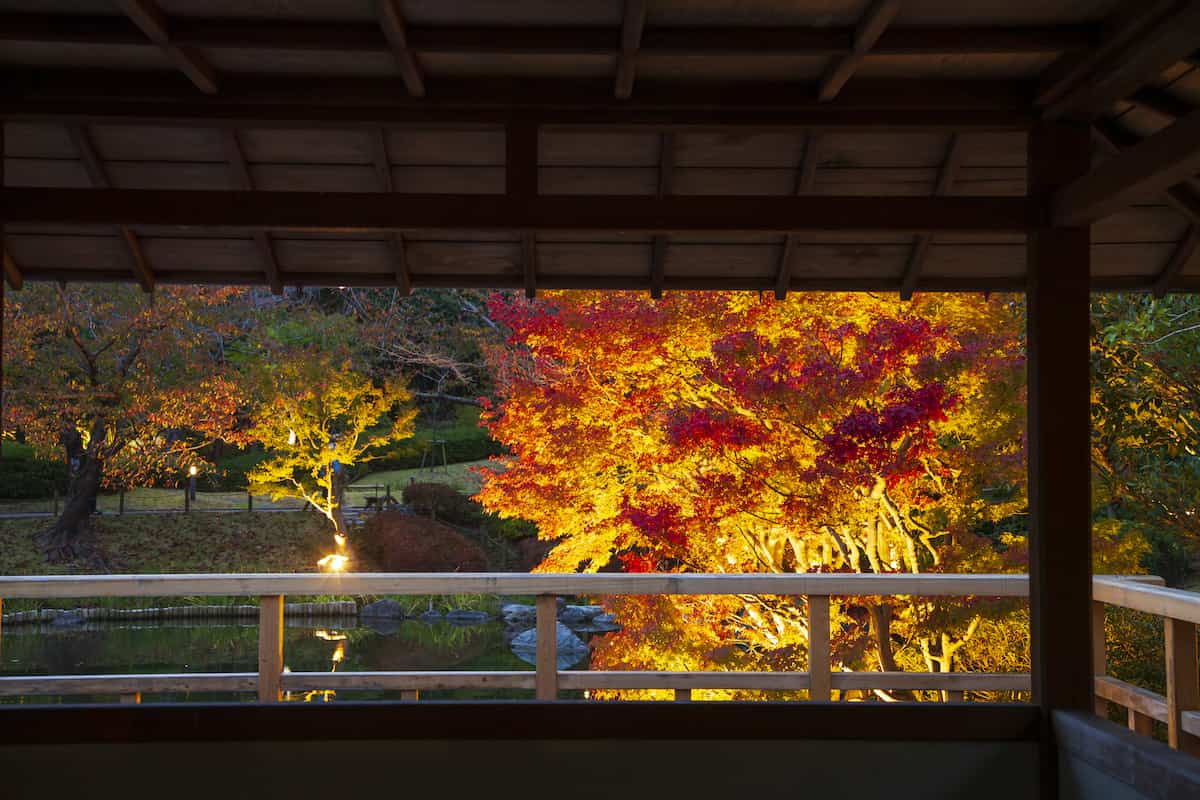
334	562
192	470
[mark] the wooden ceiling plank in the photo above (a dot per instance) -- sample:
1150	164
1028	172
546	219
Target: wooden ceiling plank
1134	56
345	36
98	175
243	180
12	273
633	23
1155	164
1114	139
1182	254
383	167
154	23
1160	102
658	249
921	243
870	28
392	22
806	176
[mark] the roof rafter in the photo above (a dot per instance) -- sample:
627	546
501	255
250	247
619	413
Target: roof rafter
1151	166
1179	259
529	264
1114	139
806	175
99	178
12	273
243	180
633	23
870	28
392	22
658	247
922	241
153	22
383	166
1162	103
1132	56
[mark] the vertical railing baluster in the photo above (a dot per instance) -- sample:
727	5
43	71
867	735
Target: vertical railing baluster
270	648
1099	656
1183	683
683	695
1140	723
819	667
546	680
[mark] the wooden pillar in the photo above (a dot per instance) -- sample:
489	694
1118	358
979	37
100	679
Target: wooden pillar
820	685
546	681
1099	655
270	647
683	695
1060	586
1183	683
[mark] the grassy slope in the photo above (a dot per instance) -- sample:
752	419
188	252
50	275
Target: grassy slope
460	476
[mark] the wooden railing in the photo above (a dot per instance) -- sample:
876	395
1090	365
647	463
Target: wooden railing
1180	708
270	681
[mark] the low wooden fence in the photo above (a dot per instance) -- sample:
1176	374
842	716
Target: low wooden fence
546	681
1180	708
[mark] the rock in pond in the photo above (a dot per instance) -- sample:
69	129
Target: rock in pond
68	618
601	623
386	609
518	615
430	616
571	649
460	616
578	615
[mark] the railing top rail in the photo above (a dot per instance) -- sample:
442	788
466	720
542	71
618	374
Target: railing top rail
929	585
1144	596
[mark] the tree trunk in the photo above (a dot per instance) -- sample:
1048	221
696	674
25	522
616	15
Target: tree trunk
68	536
881	626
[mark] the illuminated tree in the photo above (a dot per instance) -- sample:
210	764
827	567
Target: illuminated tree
731	433
319	419
125	385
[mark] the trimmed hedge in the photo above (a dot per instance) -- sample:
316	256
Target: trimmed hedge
444	503
31	479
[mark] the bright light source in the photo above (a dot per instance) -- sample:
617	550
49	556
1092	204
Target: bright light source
340	539
291	436
192	470
333	562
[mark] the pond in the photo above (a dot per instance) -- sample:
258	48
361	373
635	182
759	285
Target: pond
98	648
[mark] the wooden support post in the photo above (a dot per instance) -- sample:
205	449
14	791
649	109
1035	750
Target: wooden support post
956	696
249	501
1099	654
546	682
819	667
1183	683
121	502
683	695
187	499
270	647
1060	499
1140	724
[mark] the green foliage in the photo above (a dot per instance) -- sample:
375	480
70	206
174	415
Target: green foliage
231	473
444	503
513	528
465	440
14	450
31	478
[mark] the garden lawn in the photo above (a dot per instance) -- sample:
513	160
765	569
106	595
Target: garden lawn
460	476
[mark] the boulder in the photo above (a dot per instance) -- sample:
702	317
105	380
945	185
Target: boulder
384	626
68	618
384	609
460	616
571	649
601	623
578	615
518	615
430	616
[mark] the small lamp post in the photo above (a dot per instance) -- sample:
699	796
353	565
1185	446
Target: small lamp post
189	493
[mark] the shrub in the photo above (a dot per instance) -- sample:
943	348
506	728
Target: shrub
31	479
442	502
405	543
230	475
513	528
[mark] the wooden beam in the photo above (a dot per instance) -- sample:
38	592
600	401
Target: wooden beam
349	212
243	180
12	273
99	178
1183	682
806	175
149	17
1113	138
1155	164
392	22
529	264
1162	103
1058	300
270	648
48	95
921	243
521	142
343	36
869	29
1179	259
547	647
658	247
633	23
1134	55
383	167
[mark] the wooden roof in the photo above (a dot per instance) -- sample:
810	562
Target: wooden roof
669	144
